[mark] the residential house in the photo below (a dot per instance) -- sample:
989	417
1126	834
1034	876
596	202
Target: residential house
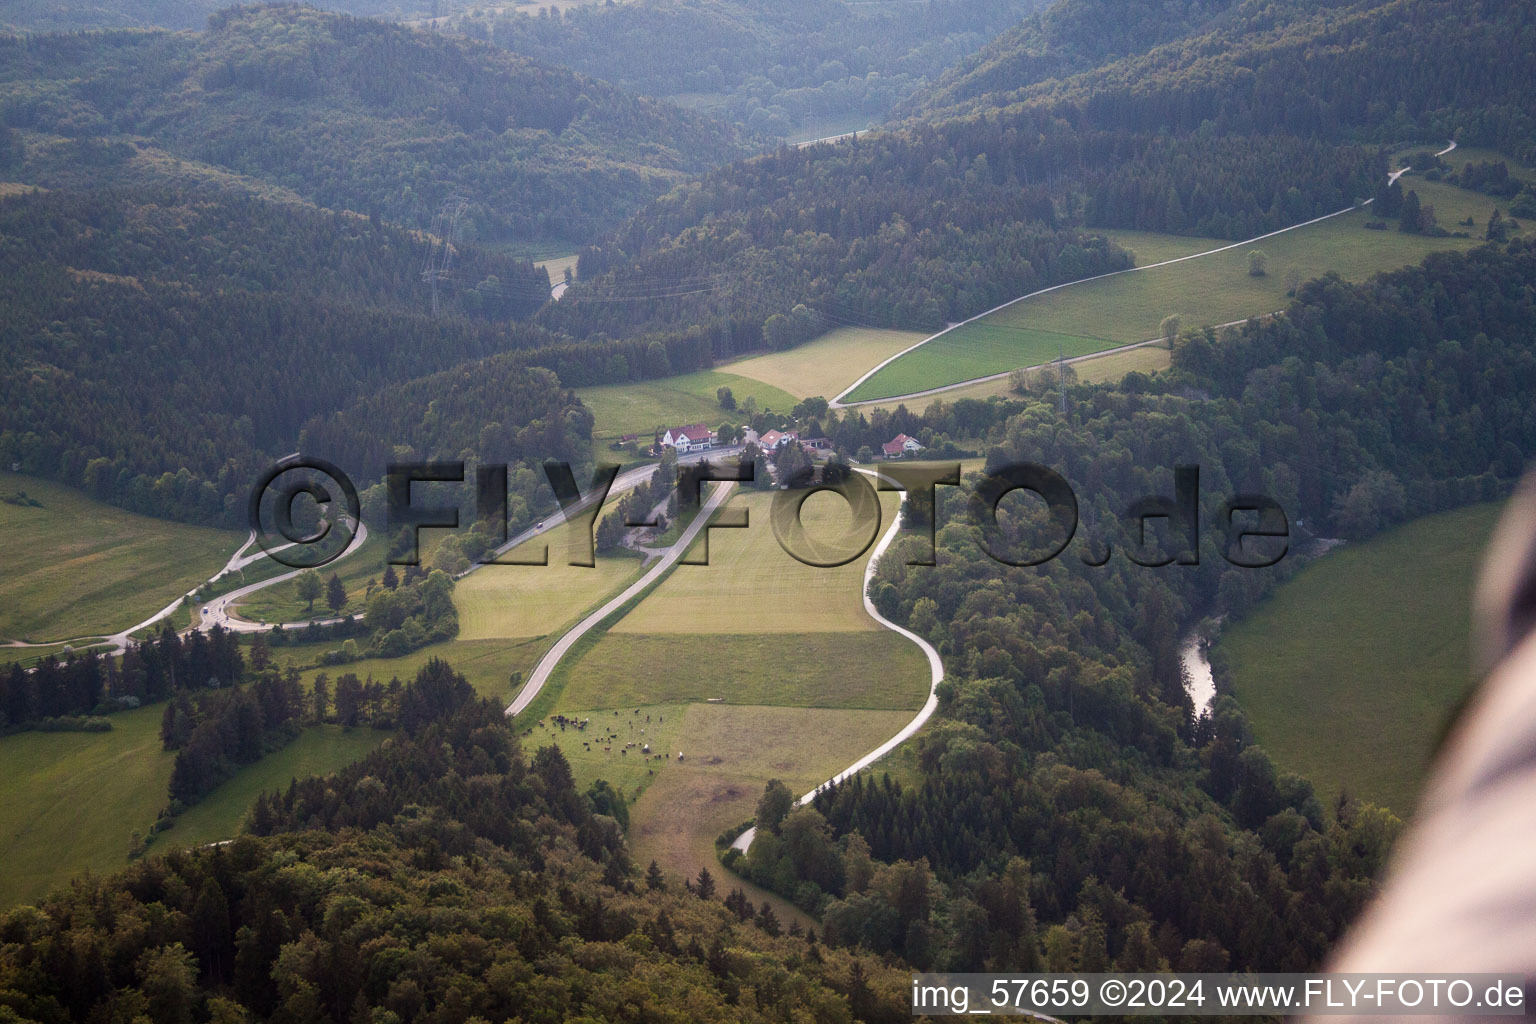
900	446
773	440
695	437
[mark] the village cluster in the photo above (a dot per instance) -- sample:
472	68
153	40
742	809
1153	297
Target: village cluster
696	437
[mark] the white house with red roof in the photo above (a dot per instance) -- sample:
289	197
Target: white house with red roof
775	439
695	437
900	446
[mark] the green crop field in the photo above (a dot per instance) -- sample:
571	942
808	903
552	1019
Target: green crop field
75	567
72	801
643	406
1350	670
752	586
1212	289
838	670
828	364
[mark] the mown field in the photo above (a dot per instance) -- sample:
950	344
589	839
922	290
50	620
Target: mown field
1351	669
879	670
644	406
1098	369
828	364
751	586
1211	289
73	802
74	567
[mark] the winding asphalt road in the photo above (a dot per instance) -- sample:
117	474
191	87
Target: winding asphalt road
551	658
935	672
839	402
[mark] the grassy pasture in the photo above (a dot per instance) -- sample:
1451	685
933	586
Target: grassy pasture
487	664
76	567
731	754
642	406
1210	290
76	802
1094	370
683	805
72	801
752	586
1349	671
839	670
500	601
319	750
1155	247
827	364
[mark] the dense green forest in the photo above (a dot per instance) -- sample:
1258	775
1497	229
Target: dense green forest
361	115
1339	69
446	877
1074	813
769	65
169	394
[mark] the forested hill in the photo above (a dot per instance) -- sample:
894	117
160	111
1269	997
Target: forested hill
361	115
161	350
1379	70
771	64
1070	36
1222	120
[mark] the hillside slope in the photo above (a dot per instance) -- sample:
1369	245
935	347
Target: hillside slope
362	115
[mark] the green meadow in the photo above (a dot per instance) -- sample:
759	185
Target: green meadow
644	406
77	802
1350	671
1215	289
71	566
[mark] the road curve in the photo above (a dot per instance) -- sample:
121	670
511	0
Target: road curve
551	658
838	401
936	676
217	612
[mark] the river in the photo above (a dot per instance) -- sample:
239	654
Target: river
1199	683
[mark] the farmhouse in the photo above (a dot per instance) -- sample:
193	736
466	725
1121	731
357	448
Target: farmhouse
900	446
774	439
695	437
